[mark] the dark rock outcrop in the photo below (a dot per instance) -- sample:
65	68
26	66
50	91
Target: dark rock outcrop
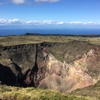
22	55
7	76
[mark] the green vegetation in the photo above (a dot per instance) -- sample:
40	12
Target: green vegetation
16	93
30	39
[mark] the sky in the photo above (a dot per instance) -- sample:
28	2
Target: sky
50	13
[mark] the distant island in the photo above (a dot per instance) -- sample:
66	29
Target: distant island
81	35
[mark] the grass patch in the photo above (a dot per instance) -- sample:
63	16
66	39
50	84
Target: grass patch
15	93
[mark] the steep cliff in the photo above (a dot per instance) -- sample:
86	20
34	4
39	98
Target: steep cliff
60	66
22	55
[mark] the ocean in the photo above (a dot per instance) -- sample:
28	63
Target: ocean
69	31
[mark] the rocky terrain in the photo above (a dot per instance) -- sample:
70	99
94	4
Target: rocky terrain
64	67
91	92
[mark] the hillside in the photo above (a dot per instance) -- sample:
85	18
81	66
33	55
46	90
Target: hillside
59	63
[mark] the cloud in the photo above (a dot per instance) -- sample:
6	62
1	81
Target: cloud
26	1
60	23
14	21
18	1
44	22
2	21
91	23
9	22
2	3
83	23
76	23
33	22
46	0
49	22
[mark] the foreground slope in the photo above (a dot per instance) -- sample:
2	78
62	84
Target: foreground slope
15	93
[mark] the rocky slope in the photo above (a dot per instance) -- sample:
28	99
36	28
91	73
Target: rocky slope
91	92
60	66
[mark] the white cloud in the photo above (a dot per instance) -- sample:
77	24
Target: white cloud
46	0
3	21
76	23
60	23
91	23
45	22
14	21
48	22
33	22
27	1
9	22
18	1
82	23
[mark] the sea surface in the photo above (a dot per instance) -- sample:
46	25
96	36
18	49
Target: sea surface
70	31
